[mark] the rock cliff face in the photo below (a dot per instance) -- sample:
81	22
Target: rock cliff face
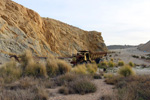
22	28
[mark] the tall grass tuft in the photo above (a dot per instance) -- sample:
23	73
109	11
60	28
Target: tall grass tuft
80	69
63	67
52	67
36	69
10	72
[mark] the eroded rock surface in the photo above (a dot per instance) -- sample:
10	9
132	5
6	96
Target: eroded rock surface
22	28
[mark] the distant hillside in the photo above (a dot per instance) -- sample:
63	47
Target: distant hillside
119	46
145	47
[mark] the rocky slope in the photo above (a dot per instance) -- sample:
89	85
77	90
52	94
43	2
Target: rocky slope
22	28
145	47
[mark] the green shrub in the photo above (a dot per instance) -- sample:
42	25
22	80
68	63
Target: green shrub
126	71
63	67
52	67
120	63
131	64
82	86
10	72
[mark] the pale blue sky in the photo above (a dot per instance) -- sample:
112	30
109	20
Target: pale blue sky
120	21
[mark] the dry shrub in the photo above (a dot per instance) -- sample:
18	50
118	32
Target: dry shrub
97	76
10	72
66	78
63	67
120	63
26	58
126	71
103	64
80	69
131	64
112	59
82	86
134	88
111	64
64	90
32	93
91	68
51	67
35	69
108	75
113	80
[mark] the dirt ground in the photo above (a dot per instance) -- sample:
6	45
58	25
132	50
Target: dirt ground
126	55
102	89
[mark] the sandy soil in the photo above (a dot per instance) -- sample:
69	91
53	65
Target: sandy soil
126	55
102	89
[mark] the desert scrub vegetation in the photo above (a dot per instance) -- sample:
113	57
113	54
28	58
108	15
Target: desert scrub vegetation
91	68
79	86
10	72
126	71
63	67
131	64
85	69
134	88
82	86
26	88
120	63
75	84
108	75
79	69
111	64
51	67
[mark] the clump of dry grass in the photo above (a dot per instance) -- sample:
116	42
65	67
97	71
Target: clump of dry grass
79	69
131	64
10	72
111	64
113	80
134	88
82	86
120	63
35	69
63	67
66	78
52	67
108	75
26	58
85	69
126	71
91	68
102	64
